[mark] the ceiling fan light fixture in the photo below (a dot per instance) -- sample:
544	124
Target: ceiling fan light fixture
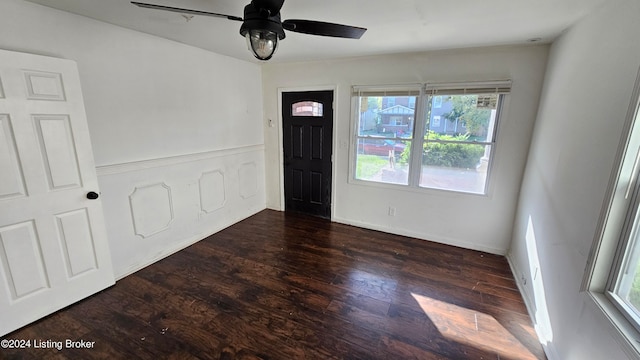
262	31
262	43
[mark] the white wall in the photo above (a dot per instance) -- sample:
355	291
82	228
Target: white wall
161	114
587	91
485	222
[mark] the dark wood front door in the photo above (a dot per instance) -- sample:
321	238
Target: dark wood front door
307	139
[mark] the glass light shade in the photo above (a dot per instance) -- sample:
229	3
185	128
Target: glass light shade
263	43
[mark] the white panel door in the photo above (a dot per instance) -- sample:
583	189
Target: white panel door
53	244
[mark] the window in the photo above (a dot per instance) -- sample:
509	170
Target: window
306	108
437	102
623	285
396	120
448	148
384	134
390	101
612	279
456	156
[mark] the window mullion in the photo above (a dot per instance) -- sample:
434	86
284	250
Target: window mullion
415	166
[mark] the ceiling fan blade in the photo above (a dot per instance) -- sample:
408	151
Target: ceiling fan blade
273	6
323	28
185	11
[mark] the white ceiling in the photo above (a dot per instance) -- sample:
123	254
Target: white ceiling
394	26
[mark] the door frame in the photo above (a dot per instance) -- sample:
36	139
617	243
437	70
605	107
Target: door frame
333	88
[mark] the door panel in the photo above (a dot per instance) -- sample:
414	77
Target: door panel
44	85
315	193
12	182
58	151
307	139
296	185
297	134
316	142
75	236
22	259
53	245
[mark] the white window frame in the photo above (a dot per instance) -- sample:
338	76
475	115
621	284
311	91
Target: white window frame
621	200
502	87
415	90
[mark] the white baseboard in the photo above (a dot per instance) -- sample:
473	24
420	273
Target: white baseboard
426	237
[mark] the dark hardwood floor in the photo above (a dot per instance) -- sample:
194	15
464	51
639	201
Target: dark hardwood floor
288	286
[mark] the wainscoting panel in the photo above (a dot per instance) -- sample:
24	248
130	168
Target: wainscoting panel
151	209
156	207
212	191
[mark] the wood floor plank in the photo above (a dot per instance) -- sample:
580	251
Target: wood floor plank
289	286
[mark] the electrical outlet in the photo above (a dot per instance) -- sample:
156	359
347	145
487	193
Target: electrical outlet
392	211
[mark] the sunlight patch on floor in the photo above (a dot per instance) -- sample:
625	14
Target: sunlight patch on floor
472	328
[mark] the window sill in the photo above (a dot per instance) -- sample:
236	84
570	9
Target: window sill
622	331
415	189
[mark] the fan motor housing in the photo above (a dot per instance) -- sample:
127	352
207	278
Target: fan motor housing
259	19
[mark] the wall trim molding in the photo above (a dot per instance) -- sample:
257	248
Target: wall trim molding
126	167
420	236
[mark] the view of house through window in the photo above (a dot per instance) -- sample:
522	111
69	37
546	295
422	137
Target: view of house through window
457	130
385	131
457	142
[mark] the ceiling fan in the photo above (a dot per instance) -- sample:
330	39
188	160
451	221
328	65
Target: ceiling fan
262	27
